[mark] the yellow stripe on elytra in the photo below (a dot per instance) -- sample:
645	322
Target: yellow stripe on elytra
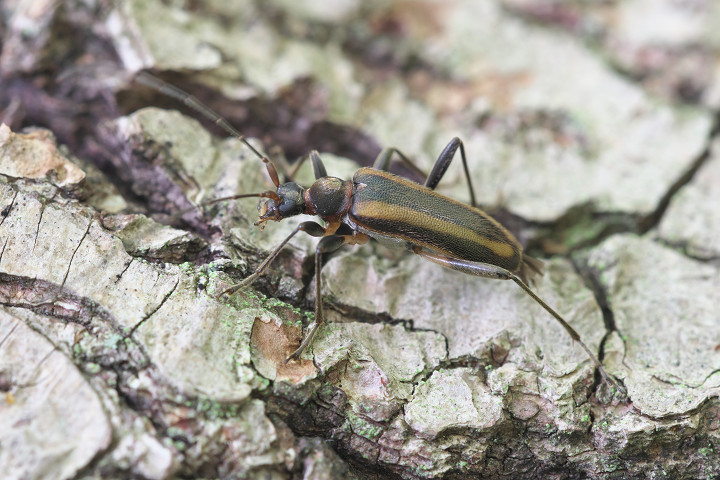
407	215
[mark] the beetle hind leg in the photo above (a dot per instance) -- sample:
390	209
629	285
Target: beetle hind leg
491	271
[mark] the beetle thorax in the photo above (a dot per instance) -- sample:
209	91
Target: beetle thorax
329	197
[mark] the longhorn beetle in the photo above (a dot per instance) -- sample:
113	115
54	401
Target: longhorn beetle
392	209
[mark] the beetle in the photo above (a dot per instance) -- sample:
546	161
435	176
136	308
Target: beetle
392	209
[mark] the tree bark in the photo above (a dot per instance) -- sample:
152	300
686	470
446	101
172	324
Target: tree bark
121	358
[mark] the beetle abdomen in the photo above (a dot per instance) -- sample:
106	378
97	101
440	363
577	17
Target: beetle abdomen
397	207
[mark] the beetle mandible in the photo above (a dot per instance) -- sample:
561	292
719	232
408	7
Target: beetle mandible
378	204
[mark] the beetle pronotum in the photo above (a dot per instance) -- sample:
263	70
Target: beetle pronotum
378	204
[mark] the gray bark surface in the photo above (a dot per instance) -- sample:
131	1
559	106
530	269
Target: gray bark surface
591	133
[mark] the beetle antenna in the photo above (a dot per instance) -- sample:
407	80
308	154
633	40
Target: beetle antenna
268	194
191	101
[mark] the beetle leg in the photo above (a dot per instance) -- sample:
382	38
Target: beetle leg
325	245
479	269
442	164
331	227
318	166
383	160
311	228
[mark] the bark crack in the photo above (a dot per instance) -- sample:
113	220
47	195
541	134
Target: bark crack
652	220
154	310
2	252
678	381
37	228
5	338
127	267
72	257
6	211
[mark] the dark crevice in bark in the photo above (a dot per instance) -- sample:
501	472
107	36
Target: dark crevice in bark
651	220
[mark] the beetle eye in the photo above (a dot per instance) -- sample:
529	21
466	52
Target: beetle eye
293	200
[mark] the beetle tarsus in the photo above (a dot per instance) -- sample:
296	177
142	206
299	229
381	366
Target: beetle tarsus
572	332
304	344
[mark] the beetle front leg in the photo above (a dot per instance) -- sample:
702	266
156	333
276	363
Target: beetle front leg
311	228
327	244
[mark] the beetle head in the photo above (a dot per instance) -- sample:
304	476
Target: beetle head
287	201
